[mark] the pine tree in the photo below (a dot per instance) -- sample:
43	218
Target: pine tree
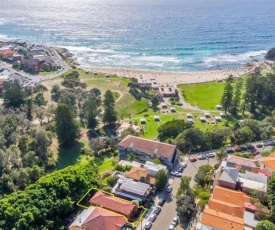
227	94
110	115
67	128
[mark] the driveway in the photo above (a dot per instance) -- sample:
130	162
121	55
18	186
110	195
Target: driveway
168	210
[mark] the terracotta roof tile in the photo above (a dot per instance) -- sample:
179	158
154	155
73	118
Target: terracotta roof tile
101	219
110	202
148	146
230	196
227	208
221	220
137	173
269	162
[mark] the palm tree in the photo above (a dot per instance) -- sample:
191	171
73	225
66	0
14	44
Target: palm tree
220	155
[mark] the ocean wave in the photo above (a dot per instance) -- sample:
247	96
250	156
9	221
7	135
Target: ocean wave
87	49
234	58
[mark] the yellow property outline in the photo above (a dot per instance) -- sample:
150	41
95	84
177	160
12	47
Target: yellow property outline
134	224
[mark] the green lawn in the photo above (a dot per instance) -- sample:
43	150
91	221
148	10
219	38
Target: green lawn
46	73
68	157
106	166
203	95
129	105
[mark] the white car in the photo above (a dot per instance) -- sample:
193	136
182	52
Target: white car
148	225
184	164
175	221
171	227
153	217
177	174
169	189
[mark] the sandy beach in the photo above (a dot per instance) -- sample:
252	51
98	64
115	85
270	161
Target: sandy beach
164	78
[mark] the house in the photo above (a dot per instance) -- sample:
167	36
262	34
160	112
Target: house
152	167
268	164
32	65
231	178
95	218
252	181
141	174
14	58
6	53
147	149
47	63
228	209
115	204
219	220
243	163
144	82
130	189
168	91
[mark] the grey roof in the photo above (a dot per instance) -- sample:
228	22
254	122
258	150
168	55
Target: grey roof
229	175
249	219
129	185
254	177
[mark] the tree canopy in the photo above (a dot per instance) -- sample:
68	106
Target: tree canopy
46	204
171	129
161	180
67	128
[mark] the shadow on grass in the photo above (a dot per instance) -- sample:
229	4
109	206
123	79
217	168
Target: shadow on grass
69	156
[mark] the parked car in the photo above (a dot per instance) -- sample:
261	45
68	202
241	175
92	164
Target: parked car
148	225
171	227
230	150
259	145
238	149
172	173
193	159
257	152
161	202
243	148
153	217
178	174
201	157
184	164
157	210
169	189
250	146
180	169
210	155
175	221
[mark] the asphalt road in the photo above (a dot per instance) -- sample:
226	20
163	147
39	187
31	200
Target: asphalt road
38	78
168	210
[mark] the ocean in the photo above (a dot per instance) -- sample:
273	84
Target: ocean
166	35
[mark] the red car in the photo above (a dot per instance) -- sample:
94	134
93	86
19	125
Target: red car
193	159
256	153
238	149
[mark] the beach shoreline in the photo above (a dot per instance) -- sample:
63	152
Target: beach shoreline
175	78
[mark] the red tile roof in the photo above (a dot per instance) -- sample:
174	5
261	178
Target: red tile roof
221	220
112	203
100	219
148	146
230	196
265	172
243	161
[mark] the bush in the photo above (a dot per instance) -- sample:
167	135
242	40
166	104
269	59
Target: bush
216	166
111	180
